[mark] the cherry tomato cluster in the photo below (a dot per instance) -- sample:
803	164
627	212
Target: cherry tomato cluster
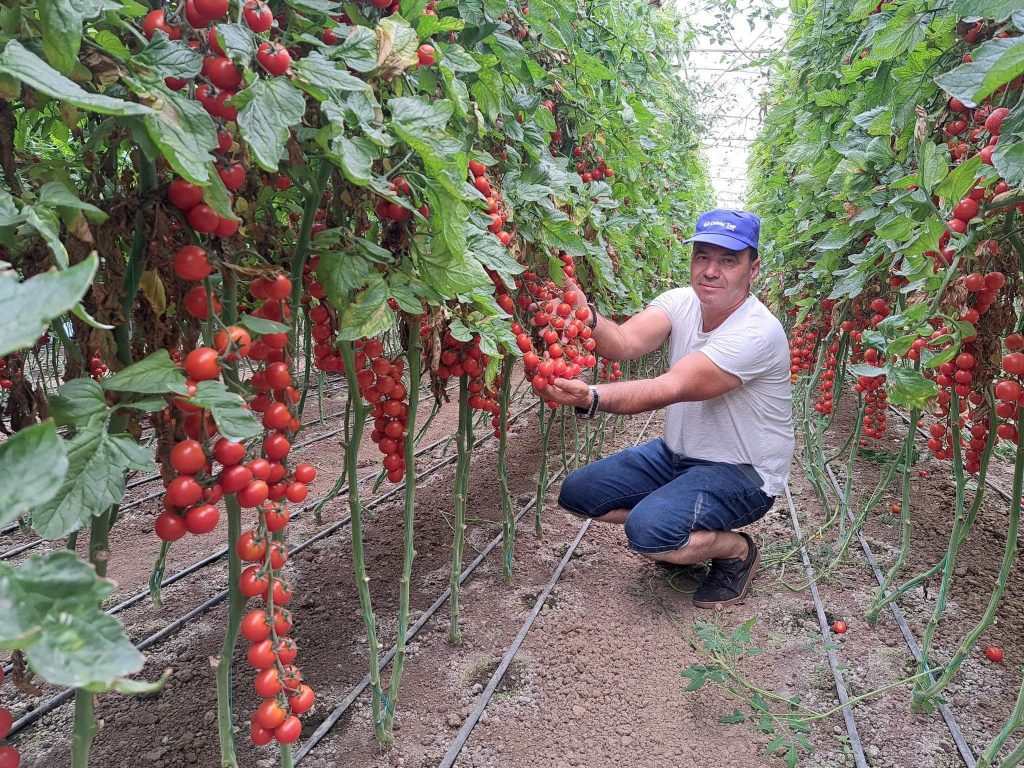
460	358
97	368
1009	391
560	345
972	132
826	384
380	384
189	199
610	370
801	350
590	166
9	757
272	652
389	211
5	382
496	208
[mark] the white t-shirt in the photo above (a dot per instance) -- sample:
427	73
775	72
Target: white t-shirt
752	424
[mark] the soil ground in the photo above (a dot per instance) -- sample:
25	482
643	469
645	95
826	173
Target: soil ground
598	681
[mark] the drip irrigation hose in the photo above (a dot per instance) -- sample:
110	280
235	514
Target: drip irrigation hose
32	715
485	697
947	715
833	658
354	694
14	551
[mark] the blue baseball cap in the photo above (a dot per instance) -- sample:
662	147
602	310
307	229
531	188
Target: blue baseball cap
734	230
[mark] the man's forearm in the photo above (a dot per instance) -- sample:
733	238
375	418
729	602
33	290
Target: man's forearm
638	396
611	341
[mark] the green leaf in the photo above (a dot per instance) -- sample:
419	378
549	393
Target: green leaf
910	388
95	480
61	22
960	180
398	43
358	50
237	40
20	63
47	224
493	255
1009	161
261	325
234	420
164	57
933	165
55	194
26	308
322	78
368	314
697	675
342	274
153	375
457	59
735	718
185	134
78	402
997	10
268	109
215	195
993	63
33	464
354	156
50	606
421	114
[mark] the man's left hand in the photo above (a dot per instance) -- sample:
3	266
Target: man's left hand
567	392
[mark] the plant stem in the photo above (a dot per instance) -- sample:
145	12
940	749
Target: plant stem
465	441
542	480
354	436
409	517
236	605
508	515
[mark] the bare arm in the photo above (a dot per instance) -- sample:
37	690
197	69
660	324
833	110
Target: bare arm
692	378
642	333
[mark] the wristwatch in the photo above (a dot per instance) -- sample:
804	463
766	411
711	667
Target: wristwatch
593	315
591	412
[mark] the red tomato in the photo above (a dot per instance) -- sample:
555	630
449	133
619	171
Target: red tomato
203	219
280	289
305	473
994	654
302	700
296	492
260	736
228	453
254	626
426	56
839	627
254	494
234	337
1013	363
184	491
277	416
191	263
184	194
155	20
211	9
250	548
9	757
260	469
169	526
268	682
288	731
202	519
195	301
273	57
201	364
276	518
278	555
234	478
187	457
287	650
252	582
276	446
258	15
270	714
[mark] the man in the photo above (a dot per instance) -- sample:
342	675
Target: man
728	439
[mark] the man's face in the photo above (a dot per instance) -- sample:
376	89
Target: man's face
720	277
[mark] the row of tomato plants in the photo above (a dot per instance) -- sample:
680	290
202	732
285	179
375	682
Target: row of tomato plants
197	195
888	175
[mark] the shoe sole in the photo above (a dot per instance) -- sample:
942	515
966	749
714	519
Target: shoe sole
743	593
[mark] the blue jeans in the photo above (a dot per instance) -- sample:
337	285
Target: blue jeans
668	495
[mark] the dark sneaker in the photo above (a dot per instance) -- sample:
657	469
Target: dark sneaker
729	579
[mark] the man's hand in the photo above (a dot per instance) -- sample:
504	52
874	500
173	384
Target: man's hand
567	392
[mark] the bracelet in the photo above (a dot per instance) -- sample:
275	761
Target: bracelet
593	315
591	412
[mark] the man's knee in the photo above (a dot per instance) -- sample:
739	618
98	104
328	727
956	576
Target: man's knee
572	496
647	532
